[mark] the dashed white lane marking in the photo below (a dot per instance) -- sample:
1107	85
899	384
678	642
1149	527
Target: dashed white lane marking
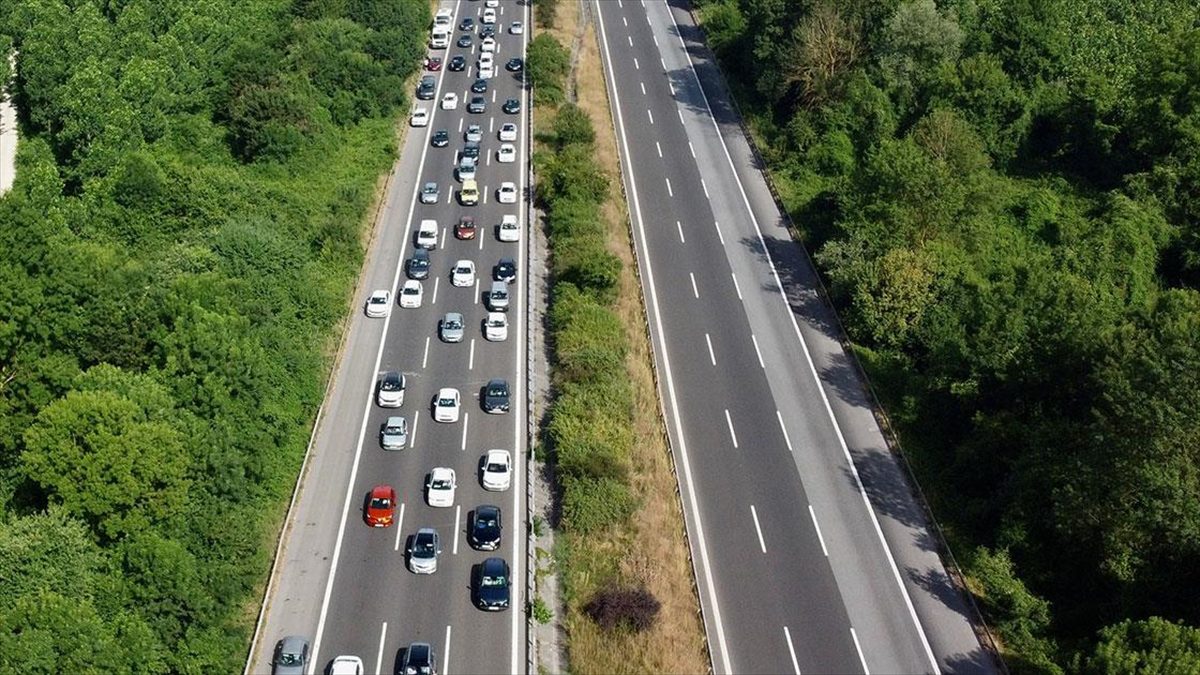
412	433
471	358
705	186
858	647
444	229
719	235
817	527
635	65
695	291
761	544
466	419
476	289
457	515
399	528
692	149
756	352
379	658
425	359
712	358
630	37
786	439
679	227
436	282
736	287
787	635
664	63
446	653
658	146
670	192
643	88
732	433
651	115
625	21
671	87
655	37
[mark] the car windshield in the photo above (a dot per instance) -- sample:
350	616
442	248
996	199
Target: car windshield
412	290
424	546
496	323
381	503
453	323
440	484
497	467
464	270
446	402
391	385
497	391
395	429
378	300
491	582
289	659
485	521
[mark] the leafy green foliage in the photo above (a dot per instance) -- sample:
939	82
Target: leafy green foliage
1002	199
546	66
178	246
1152	645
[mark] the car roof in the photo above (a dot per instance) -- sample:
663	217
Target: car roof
393	376
493	566
497	381
453	316
498	453
384	490
395	421
447	391
426	530
442	471
487	509
421	254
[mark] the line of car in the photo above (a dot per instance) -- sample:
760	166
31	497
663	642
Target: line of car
490	580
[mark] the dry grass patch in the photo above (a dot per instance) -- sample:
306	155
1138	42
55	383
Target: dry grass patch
651	549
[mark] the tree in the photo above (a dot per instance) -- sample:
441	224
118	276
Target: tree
1152	645
100	456
546	65
631	607
572	125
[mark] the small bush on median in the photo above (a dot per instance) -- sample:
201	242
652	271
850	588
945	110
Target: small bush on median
573	126
591	505
585	261
546	65
633	608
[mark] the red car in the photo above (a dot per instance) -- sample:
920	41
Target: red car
465	229
381	506
433	63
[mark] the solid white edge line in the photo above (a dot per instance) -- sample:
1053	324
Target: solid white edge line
712	358
520	358
783	427
732	433
446	654
787	635
808	356
702	546
362	432
858	647
817	527
382	639
399	528
761	544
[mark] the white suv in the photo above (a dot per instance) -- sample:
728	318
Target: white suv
427	234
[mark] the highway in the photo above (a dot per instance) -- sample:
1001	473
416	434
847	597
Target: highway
811	553
341	584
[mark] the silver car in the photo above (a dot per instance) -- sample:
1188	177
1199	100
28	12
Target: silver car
497	297
452	327
423	552
391	390
429	193
394	435
291	656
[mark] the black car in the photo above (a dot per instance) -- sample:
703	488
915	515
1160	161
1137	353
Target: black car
458	62
479	86
471	150
487	32
505	270
417	266
514	65
441	138
478	105
466	24
426	88
495	396
464	41
512	106
419	659
492	585
485	528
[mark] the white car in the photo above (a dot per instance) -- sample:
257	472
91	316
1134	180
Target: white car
507	154
411	294
495	327
439	491
427	234
507	194
487	45
487	70
463	274
491	3
497	470
516	28
510	229
420	117
474	133
446	405
379	304
450	101
489	15
346	665
487	59
508	131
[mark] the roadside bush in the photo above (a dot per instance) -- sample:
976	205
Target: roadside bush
591	505
590	344
546	66
592	438
572	126
573	216
545	12
586	262
1022	617
633	608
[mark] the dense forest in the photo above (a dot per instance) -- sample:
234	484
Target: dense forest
1004	199
175	259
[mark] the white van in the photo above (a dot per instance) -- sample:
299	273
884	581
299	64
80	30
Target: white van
439	37
427	234
444	17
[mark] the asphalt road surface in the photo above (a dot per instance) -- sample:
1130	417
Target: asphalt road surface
811	553
345	585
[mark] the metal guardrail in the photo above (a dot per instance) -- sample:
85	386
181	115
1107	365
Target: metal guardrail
981	628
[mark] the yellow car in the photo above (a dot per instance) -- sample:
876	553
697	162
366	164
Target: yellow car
469	195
